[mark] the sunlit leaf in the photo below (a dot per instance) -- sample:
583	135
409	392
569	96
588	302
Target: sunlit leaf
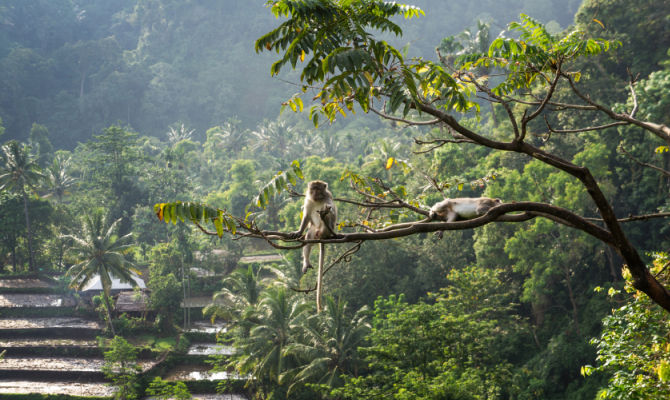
219	226
663	371
230	224
158	209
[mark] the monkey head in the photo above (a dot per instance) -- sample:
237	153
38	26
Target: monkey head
318	190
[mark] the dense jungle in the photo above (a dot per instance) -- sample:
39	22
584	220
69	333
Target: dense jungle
169	145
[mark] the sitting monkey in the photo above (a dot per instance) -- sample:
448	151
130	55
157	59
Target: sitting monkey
319	217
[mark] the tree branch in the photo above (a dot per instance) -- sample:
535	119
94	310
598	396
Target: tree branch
405	121
642	163
552	87
587	129
634	218
660	130
344	257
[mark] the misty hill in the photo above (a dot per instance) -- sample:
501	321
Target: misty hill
78	66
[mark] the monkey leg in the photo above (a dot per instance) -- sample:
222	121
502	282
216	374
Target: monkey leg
307	250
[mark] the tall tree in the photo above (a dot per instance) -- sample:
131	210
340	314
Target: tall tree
11	228
339	53
114	165
329	344
262	355
100	252
58	178
20	173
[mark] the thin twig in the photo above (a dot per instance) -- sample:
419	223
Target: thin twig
642	163
346	257
405	121
633	218
587	129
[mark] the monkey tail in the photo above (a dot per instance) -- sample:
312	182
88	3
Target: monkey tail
319	276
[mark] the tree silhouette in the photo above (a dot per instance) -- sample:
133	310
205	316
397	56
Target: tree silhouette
100	252
20	174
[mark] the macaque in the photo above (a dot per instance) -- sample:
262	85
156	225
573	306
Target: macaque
462	208
319	216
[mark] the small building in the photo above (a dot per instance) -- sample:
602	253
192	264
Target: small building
94	287
132	302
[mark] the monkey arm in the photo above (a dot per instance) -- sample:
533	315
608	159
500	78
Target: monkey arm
329	217
298	233
306	211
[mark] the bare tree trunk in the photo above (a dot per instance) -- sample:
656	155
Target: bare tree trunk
109	314
14	255
82	84
31	261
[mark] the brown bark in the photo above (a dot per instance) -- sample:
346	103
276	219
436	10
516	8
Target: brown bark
29	234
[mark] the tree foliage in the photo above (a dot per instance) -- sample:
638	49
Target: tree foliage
20	174
121	367
633	347
100	253
549	121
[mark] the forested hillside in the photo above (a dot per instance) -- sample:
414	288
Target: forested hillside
79	66
116	112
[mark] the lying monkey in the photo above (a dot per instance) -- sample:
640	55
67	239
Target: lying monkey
453	210
462	208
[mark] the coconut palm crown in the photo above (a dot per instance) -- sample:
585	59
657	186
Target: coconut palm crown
100	251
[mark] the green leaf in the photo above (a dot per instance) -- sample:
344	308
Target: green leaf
230	224
218	224
663	371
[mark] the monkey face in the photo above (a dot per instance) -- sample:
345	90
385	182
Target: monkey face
317	190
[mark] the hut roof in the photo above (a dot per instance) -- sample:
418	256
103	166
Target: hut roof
95	284
129	301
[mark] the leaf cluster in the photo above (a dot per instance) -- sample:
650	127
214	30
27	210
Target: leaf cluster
534	54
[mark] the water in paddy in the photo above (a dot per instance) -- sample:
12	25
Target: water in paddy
198	373
21	374
207	327
208	349
55	388
36	300
46	342
48	323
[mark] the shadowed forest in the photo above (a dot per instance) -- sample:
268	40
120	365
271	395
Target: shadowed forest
168	145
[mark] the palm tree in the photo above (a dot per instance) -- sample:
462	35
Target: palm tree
262	355
19	174
100	252
58	180
228	137
273	137
328	345
476	42
239	297
176	135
